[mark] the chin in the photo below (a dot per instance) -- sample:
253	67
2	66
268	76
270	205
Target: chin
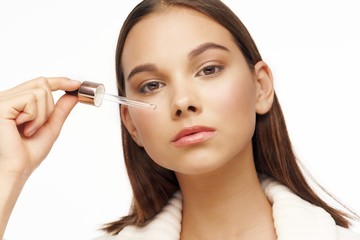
198	168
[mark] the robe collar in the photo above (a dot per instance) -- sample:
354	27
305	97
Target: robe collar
294	218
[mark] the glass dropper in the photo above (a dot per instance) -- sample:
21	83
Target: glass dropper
94	94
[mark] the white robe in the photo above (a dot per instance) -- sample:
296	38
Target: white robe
294	219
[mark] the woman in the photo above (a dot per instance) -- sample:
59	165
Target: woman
221	165
197	62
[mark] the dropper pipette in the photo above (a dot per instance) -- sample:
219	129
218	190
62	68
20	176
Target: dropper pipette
94	94
126	101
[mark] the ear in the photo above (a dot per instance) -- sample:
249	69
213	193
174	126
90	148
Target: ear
128	122
264	87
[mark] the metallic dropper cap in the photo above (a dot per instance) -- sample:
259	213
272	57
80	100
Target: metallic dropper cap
91	93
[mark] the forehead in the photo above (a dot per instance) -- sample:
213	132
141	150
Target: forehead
175	31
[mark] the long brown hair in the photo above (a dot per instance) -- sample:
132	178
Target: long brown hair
154	185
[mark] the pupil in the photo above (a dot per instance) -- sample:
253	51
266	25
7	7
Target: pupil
209	70
153	86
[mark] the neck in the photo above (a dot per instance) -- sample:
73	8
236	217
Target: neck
226	204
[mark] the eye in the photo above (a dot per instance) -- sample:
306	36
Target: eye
152	86
209	70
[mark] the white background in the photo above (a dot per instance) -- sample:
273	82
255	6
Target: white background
312	47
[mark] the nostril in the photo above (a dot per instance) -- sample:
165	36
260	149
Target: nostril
192	109
189	109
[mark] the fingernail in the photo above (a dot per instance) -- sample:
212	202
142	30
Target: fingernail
75	81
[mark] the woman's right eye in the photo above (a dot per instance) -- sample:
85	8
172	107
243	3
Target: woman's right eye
150	87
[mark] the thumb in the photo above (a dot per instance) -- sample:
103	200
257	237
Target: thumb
49	132
62	110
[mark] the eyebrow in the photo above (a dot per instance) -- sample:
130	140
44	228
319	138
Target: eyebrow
149	67
204	47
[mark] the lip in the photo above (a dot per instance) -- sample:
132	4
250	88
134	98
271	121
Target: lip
192	135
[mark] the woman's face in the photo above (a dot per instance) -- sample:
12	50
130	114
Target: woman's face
206	96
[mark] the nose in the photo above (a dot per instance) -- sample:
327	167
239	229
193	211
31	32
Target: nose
185	103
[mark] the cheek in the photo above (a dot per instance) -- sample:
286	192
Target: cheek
146	123
152	132
235	106
150	126
237	97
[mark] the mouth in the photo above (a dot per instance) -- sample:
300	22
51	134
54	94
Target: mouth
192	135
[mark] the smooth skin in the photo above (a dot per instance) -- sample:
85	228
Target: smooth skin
30	123
191	68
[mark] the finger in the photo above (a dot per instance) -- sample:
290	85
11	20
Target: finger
61	83
49	84
45	106
49	103
53	84
22	108
62	110
42	140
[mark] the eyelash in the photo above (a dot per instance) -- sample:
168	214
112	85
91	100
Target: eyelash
217	69
144	88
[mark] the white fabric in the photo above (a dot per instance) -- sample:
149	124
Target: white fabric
294	219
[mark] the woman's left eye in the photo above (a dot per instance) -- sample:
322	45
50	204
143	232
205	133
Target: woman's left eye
209	70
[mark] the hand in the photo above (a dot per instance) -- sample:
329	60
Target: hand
29	125
30	122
